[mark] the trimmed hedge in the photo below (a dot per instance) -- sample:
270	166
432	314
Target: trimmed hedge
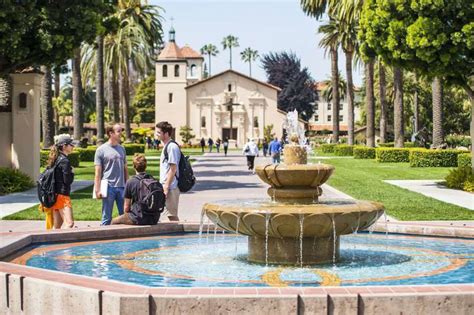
73	158
12	180
434	158
361	152
327	147
86	155
392	155
464	159
343	150
132	148
392	144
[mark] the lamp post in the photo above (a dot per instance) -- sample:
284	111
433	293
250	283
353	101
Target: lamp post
230	107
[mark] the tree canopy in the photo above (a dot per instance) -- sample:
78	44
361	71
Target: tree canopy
284	70
434	37
45	32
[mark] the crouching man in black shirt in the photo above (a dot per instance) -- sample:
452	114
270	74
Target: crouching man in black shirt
144	197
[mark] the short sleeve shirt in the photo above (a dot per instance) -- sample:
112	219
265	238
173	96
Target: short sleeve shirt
174	155
112	159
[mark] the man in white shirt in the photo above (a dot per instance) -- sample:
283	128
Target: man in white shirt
169	171
250	151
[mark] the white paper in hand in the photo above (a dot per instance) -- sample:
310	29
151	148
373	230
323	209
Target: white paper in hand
103	189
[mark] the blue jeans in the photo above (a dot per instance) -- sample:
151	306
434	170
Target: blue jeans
276	158
113	194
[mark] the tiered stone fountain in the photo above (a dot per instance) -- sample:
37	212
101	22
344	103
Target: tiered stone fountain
294	227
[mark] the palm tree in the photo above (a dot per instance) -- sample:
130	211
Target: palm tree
370	103
437	92
398	107
330	42
211	51
131	46
77	95
47	112
229	42
349	44
99	87
383	102
249	55
327	92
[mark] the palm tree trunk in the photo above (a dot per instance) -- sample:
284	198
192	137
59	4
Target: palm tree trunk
335	95
210	65
350	98
47	107
383	103
398	107
126	106
100	88
250	68
6	89
416	109
116	98
57	89
437	90
230	61
77	108
370	102
110	90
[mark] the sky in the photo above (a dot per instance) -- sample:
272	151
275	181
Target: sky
264	25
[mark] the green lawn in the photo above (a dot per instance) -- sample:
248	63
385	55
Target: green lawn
364	179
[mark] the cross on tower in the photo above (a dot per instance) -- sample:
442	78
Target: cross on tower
230	107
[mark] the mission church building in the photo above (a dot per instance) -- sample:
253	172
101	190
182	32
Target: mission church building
213	105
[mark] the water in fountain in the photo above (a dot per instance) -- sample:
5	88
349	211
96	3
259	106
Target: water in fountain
267	221
301	238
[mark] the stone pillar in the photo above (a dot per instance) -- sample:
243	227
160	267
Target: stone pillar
25	123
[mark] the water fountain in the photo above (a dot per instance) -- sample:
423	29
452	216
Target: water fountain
294	226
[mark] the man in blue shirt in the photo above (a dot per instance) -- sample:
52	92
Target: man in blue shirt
275	149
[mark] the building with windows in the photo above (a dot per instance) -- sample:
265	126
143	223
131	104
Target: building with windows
226	105
322	118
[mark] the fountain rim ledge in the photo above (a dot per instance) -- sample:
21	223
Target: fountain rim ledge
110	292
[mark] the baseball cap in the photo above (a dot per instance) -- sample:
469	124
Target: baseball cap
64	139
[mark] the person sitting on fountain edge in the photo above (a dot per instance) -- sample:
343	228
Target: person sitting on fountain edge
144	197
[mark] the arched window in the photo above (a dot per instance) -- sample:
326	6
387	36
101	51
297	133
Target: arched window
165	71
203	122
193	71
176	70
255	122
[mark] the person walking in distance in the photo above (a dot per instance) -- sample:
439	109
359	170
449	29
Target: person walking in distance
210	143
111	166
203	144
275	150
250	151
169	171
218	144
226	145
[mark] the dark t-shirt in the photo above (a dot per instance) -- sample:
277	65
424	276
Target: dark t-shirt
132	191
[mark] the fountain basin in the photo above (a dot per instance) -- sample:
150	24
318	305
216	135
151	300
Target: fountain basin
273	228
294	175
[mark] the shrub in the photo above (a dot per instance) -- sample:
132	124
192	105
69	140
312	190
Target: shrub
458	141
132	148
343	150
392	144
327	147
12	180
460	177
464	159
361	152
73	157
434	158
388	155
87	154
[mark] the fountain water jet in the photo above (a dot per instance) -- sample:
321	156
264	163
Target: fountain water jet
292	214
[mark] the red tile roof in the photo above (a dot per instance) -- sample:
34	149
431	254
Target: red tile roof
320	127
171	51
188	52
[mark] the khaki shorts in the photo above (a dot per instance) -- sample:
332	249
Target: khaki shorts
172	201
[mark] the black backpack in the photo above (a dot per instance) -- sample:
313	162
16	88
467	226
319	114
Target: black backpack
186	179
151	198
45	184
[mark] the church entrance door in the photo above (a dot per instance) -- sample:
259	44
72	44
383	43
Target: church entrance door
226	134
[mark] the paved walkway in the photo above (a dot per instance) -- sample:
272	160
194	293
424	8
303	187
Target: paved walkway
17	202
433	189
